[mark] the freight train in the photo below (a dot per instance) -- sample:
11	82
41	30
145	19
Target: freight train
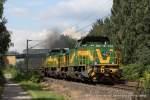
93	59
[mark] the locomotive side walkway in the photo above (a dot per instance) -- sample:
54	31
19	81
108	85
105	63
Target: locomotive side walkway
13	91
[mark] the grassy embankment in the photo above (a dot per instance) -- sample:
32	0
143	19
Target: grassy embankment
31	83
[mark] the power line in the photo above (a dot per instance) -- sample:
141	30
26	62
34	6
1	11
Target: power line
78	30
37	44
84	27
87	18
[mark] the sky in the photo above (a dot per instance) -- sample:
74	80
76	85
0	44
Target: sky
35	19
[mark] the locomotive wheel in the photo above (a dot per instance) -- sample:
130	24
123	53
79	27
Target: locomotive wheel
46	72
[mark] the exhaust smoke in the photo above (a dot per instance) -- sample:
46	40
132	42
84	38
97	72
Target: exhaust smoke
56	40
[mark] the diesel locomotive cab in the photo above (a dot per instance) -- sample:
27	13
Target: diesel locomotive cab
106	64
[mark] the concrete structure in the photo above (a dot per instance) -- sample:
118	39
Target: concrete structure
36	57
10	59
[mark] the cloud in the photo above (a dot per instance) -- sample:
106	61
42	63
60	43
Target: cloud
19	12
19	37
79	10
36	2
72	32
68	15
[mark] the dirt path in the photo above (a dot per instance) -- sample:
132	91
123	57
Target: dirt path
14	91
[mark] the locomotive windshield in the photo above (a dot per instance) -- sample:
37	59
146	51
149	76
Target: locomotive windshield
58	51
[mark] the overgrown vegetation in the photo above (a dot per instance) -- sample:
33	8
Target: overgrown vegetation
128	28
31	83
145	81
135	71
2	81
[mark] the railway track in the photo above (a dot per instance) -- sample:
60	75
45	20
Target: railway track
129	86
85	90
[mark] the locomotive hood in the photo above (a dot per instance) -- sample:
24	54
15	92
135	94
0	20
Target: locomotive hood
100	39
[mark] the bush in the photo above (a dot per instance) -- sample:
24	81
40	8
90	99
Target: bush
18	75
144	87
134	71
131	72
36	76
2	81
32	76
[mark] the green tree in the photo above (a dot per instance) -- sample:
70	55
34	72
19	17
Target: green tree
129	29
123	35
4	33
101	28
97	28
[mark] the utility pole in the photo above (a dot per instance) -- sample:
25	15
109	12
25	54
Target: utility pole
27	56
27	53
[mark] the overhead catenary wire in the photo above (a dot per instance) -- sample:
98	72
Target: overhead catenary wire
75	25
81	29
43	42
87	18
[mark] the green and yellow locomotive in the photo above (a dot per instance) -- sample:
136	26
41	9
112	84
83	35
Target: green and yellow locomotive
93	59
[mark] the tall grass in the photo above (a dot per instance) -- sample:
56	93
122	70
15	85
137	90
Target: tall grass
145	83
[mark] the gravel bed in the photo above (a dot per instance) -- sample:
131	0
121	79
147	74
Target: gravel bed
81	91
